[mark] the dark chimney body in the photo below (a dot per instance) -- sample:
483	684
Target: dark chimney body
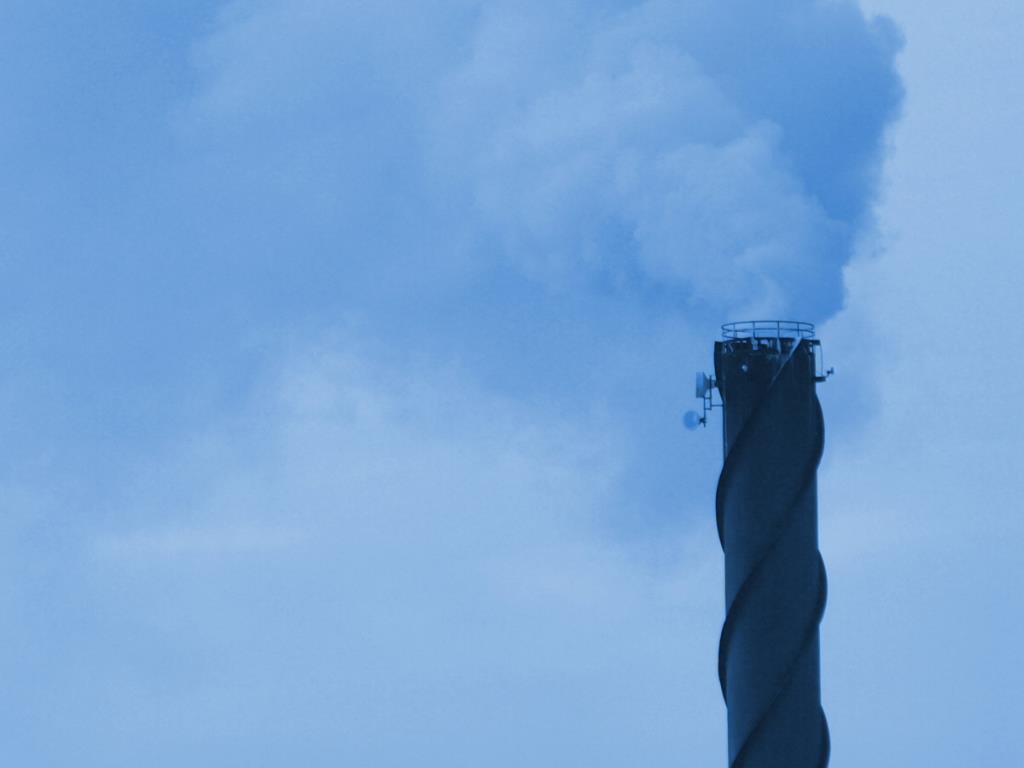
766	508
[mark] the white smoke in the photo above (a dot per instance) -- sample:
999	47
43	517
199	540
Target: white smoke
465	529
686	148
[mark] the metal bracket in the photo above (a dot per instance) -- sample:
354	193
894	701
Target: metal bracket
821	373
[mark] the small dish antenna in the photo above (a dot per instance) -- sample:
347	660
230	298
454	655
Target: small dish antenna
704	385
704	391
692	420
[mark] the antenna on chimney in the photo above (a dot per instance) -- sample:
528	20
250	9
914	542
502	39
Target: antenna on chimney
705	393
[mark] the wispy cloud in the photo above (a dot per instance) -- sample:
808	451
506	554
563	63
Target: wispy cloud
173	543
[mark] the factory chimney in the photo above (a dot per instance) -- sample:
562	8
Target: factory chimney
766	506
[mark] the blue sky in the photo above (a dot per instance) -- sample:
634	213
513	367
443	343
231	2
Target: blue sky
346	344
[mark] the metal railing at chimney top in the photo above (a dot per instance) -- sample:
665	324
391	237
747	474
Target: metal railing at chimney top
768	329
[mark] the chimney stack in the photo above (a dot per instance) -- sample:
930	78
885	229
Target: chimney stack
767	513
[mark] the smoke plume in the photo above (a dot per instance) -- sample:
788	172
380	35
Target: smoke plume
349	411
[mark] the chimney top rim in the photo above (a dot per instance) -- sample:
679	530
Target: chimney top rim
768	329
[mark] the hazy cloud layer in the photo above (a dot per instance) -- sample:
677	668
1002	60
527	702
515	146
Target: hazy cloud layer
344	424
372	572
